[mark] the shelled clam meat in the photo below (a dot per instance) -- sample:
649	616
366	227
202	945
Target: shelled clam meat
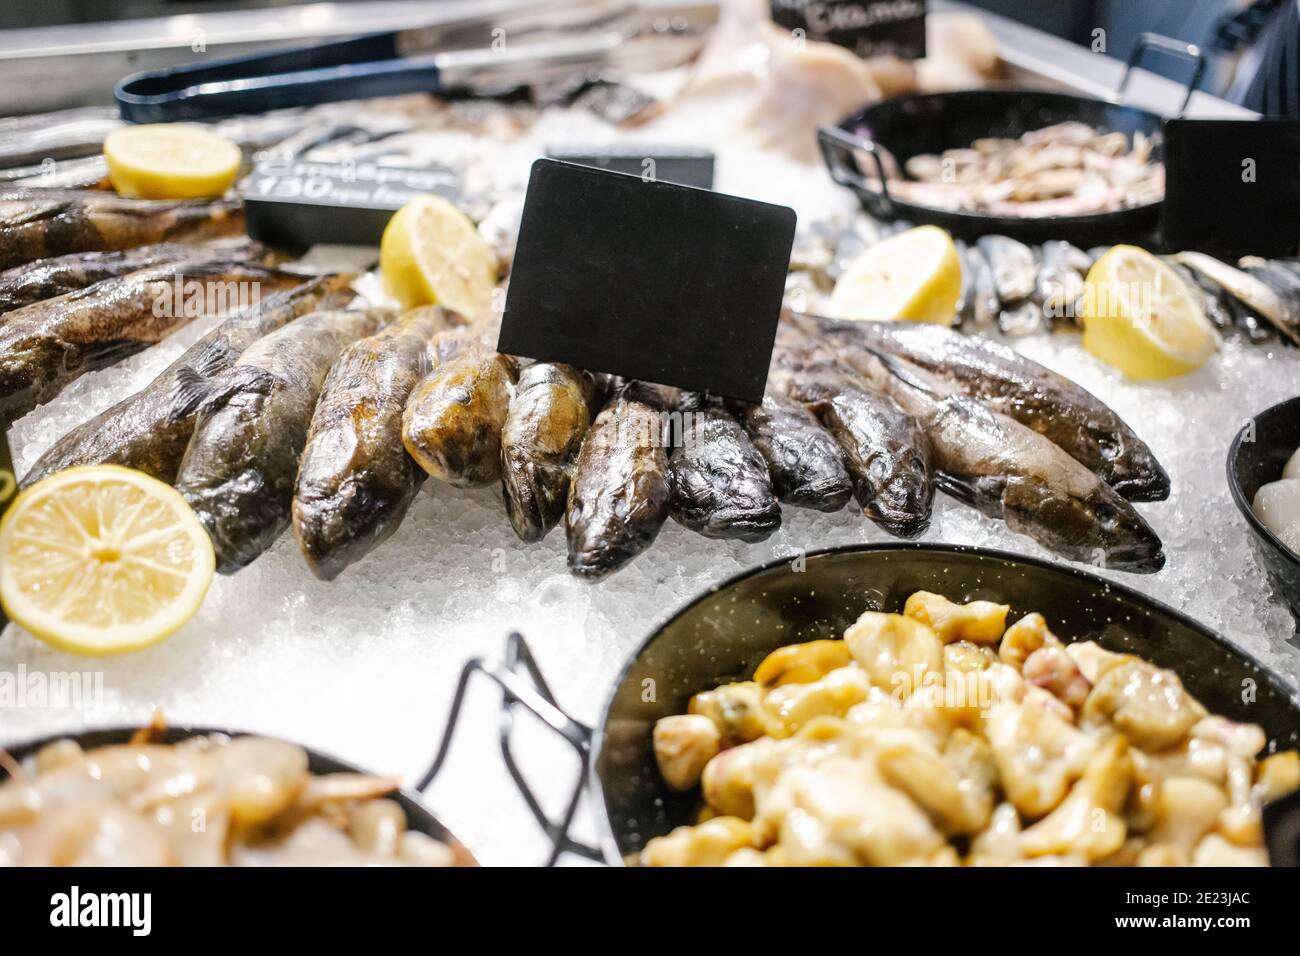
947	736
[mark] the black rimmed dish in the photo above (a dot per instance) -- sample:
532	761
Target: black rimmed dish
724	633
1257	456
418	817
929	123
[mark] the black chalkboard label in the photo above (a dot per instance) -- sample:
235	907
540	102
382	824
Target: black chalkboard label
298	204
647	279
1232	187
867	27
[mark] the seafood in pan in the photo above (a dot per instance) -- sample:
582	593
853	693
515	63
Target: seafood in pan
453	418
543	431
837	753
804	462
240	468
355	479
49	344
1022	389
40	223
134	804
150	430
621	489
1069	169
720	484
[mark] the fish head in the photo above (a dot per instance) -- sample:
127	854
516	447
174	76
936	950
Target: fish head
1099	528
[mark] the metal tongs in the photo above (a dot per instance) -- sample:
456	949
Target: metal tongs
501	44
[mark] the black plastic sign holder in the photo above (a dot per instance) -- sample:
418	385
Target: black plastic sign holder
647	280
1232	186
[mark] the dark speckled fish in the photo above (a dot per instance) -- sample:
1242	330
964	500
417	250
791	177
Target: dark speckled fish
40	223
149	430
1009	471
548	418
720	484
619	496
355	480
239	471
1021	389
804	461
453	418
47	278
886	452
47	345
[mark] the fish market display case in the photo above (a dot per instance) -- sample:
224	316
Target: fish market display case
365	665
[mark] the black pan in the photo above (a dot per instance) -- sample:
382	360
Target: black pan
1257	456
418	818
723	634
908	126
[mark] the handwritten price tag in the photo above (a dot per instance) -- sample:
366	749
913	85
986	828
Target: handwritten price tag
867	27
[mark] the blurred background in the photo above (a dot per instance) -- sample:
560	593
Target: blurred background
1253	45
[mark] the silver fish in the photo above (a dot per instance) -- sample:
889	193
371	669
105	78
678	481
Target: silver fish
1060	288
1015	386
1015	268
984	303
1257	295
1011	472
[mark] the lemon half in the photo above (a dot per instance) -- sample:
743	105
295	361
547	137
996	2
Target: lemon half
102	560
166	161
914	275
431	254
1139	316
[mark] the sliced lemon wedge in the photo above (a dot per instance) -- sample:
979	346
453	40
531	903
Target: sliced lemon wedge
914	275
1139	316
102	560
166	161
431	254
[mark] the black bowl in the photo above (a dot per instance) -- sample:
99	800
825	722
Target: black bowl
724	634
908	125
1252	464
418	818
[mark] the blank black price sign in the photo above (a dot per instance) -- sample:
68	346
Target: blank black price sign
647	280
1233	186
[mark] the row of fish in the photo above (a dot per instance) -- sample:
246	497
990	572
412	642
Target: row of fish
301	414
1022	289
300	410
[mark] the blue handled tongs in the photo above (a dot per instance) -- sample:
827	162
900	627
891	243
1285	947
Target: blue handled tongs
504	43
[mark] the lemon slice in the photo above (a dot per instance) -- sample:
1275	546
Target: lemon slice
164	161
102	560
914	275
1139	316
431	254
